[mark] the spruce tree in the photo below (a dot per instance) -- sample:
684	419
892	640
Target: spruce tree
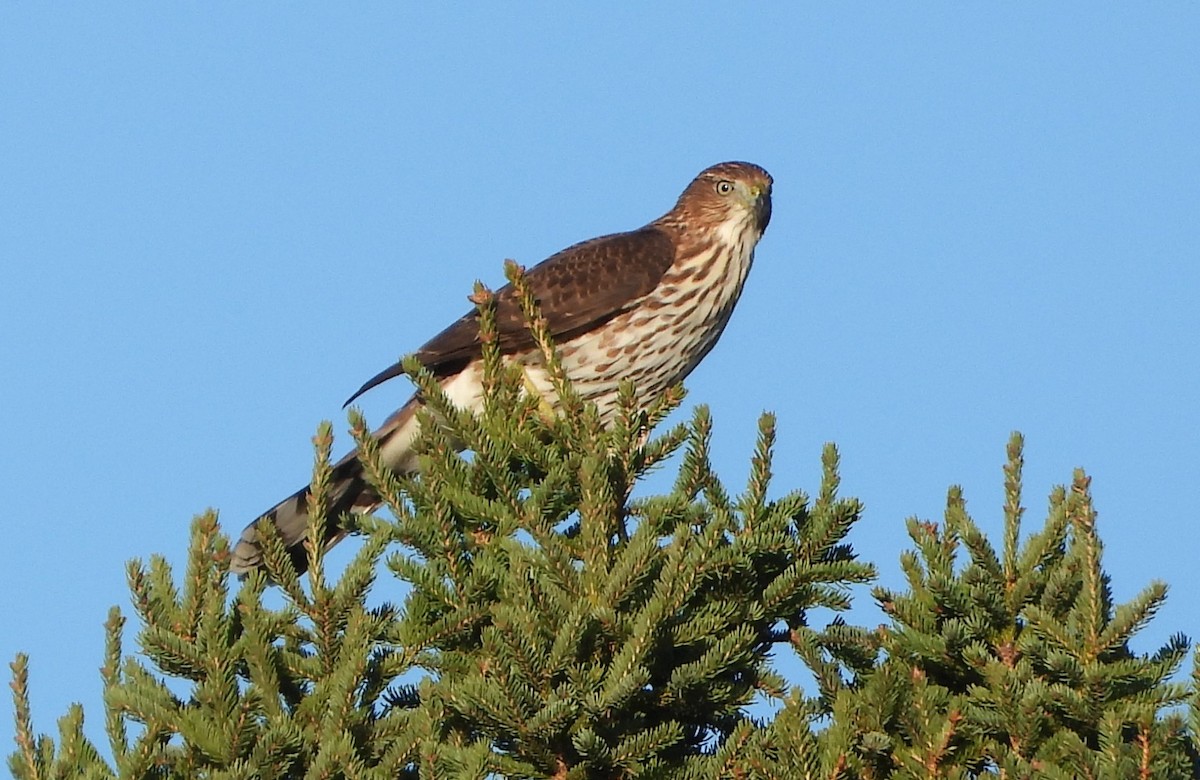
556	626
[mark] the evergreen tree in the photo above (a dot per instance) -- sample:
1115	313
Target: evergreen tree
554	626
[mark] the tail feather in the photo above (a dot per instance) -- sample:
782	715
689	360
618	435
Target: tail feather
348	492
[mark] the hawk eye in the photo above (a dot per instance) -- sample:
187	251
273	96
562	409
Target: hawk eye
724	187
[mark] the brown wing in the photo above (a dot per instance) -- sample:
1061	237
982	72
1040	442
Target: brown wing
579	288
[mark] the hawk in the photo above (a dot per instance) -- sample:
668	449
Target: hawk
646	305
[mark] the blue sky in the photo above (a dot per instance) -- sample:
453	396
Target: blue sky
217	220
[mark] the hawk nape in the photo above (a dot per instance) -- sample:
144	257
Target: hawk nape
646	305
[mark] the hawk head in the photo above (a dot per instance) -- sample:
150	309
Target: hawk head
729	196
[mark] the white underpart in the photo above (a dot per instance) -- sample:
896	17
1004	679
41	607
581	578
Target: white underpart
680	335
464	389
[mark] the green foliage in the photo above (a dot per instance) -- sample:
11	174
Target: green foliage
554	626
1016	663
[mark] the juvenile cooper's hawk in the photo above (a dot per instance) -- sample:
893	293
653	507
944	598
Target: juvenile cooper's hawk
646	305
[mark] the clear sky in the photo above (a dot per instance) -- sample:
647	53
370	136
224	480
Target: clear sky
217	220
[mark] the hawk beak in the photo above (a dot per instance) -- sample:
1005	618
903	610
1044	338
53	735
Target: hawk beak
762	208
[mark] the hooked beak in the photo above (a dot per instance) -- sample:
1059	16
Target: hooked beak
762	208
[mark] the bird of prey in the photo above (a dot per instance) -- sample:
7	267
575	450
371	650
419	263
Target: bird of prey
646	305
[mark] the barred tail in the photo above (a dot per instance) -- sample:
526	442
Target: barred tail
348	493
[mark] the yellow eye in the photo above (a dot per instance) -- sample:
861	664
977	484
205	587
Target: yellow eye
724	187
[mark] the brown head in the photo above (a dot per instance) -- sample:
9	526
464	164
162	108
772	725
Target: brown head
731	197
